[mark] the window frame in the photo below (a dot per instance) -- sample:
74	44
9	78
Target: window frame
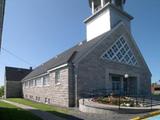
57	77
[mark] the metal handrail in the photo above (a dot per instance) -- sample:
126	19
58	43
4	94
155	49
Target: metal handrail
137	98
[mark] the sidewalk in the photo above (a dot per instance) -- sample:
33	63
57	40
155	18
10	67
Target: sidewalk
42	114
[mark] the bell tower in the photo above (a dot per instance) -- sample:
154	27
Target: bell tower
106	14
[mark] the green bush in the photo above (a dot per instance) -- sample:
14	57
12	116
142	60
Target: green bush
1	91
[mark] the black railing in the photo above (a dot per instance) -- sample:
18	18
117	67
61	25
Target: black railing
138	99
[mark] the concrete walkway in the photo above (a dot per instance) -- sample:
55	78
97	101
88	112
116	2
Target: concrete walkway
42	114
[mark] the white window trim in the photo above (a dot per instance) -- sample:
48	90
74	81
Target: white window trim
57	83
61	66
41	82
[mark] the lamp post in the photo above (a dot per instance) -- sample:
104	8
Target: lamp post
126	77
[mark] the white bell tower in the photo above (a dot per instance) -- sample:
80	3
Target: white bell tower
105	15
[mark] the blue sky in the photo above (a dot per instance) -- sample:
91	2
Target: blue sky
37	30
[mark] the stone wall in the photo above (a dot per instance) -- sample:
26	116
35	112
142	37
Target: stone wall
57	93
93	72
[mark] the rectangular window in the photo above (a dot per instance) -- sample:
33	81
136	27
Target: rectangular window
38	99
31	83
46	80
57	76
47	100
26	84
38	82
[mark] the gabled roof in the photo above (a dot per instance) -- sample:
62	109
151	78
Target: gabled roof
77	51
15	74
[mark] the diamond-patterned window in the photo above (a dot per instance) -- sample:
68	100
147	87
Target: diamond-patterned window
119	55
110	53
121	52
115	49
119	44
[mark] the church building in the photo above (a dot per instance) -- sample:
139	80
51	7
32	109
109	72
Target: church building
108	59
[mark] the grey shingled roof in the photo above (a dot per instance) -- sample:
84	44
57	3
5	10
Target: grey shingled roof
15	74
63	58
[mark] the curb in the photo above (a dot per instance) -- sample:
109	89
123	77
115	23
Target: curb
151	114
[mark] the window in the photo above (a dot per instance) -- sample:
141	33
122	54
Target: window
26	84
38	99
116	85
31	97
126	58
110	53
130	54
38	82
46	80
31	83
47	100
123	51
119	55
120	51
122	40
126	47
119	44
106	56
115	49
57	77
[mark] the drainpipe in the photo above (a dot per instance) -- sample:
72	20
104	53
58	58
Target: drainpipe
76	96
74	76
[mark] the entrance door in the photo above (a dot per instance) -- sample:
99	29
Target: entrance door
125	86
116	84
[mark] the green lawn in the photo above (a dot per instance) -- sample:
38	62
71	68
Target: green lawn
11	112
59	111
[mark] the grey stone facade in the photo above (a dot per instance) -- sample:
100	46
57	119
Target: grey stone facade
57	93
93	72
81	69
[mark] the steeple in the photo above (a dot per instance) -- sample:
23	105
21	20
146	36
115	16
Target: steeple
105	15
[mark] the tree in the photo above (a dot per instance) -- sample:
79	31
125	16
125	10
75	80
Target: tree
1	91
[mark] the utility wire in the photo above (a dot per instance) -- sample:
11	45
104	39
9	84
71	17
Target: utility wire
17	57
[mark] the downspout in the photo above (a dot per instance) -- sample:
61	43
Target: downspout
76	85
73	77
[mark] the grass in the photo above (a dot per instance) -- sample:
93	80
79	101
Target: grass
40	106
11	112
58	111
